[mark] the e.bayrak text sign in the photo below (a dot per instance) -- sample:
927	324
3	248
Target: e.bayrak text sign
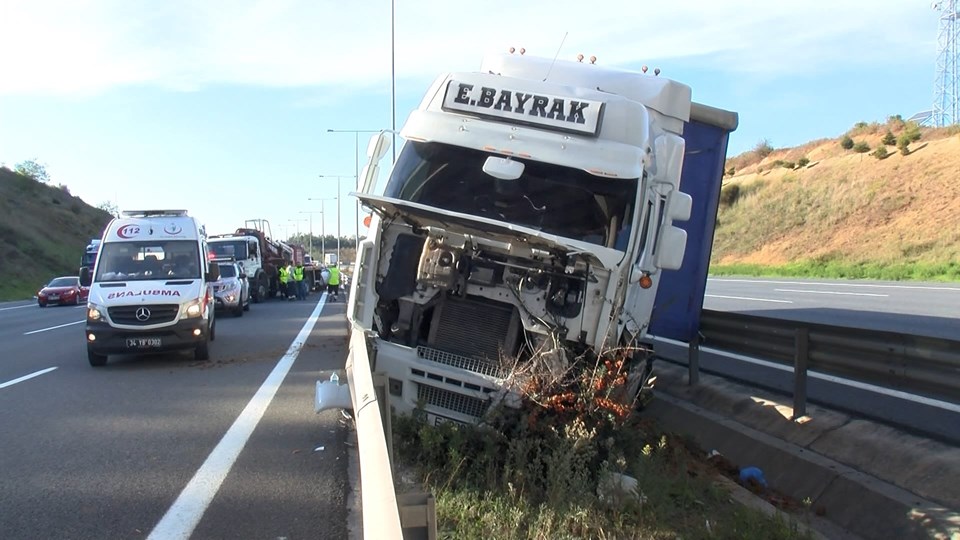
536	108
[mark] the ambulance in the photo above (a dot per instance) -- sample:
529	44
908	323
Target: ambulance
150	287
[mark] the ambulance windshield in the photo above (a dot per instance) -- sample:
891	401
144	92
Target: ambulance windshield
148	260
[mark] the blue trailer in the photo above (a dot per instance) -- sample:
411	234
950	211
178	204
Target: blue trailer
676	312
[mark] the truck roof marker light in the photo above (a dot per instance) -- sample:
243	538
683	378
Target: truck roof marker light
593	59
656	71
489	148
522	50
643	69
646	281
512	50
524	155
580	57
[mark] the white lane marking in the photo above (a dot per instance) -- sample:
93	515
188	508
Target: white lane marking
748	298
27	377
17	307
53	327
832	292
182	517
840	284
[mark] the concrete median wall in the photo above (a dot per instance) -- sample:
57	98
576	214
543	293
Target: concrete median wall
869	479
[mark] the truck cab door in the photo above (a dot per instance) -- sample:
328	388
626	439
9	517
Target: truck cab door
661	247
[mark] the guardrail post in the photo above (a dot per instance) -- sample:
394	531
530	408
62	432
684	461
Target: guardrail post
693	360
800	361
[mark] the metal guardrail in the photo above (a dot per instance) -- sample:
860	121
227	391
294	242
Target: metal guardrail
386	515
916	364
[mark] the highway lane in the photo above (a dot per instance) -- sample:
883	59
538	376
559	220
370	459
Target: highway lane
931	309
105	452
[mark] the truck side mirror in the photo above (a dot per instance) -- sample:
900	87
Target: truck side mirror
671	246
379	144
85	276
679	206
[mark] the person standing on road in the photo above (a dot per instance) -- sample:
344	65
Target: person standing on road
333	282
291	284
299	283
284	278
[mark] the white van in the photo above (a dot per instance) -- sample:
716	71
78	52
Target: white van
150	287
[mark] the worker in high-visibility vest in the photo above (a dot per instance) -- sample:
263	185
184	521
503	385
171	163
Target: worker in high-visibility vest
284	278
333	283
301	286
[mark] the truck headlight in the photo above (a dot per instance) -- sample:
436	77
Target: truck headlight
191	310
95	312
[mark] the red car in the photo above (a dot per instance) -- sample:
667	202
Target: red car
63	290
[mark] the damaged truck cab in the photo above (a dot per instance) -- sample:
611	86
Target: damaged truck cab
530	212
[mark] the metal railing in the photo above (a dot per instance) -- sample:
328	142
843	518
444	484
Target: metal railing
910	363
385	514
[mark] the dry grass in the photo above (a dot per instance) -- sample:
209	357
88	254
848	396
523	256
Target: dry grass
846	207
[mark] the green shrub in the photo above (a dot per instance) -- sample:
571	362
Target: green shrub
846	142
731	171
789	165
903	143
777	163
880	152
763	148
803	162
889	139
729	195
861	147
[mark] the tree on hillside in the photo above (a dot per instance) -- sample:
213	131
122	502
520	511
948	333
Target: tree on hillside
846	143
763	148
889	139
109	208
32	169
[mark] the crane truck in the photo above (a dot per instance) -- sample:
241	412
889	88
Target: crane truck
530	215
260	255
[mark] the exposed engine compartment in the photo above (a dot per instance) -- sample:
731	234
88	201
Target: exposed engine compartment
477	303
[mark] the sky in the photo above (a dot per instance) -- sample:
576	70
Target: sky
223	107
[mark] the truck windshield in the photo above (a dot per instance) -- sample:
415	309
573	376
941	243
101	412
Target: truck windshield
229	248
554	199
146	260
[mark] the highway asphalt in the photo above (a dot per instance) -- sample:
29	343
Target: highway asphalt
931	309
166	445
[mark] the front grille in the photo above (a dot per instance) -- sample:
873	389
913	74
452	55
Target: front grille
451	401
475	365
159	313
475	329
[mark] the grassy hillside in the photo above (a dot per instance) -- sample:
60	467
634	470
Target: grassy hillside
844	213
43	232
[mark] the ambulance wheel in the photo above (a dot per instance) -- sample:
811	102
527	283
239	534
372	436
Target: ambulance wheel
96	360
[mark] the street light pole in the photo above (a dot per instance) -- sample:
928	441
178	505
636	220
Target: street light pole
311	227
356	173
338	177
323	232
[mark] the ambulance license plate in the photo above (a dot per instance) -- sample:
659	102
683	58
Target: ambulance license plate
142	343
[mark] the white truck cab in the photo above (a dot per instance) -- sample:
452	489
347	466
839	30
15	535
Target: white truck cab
529	214
150	287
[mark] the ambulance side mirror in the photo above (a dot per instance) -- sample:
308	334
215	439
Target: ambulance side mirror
85	276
